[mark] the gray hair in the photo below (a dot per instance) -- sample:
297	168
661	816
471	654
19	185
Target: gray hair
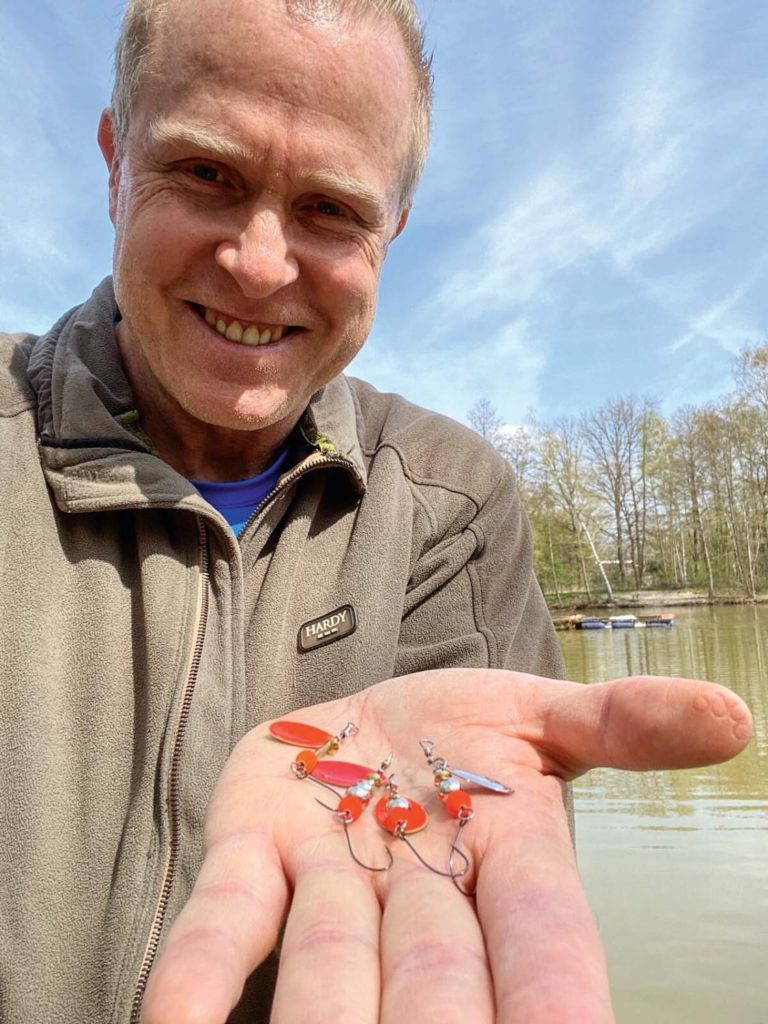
141	17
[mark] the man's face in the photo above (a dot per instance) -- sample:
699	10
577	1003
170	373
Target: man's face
255	195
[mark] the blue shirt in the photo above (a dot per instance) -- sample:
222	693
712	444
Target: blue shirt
237	500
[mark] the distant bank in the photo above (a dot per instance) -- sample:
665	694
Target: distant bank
647	599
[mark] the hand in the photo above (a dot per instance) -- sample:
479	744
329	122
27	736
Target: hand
362	948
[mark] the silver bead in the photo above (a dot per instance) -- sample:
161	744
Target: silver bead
360	790
396	801
449	785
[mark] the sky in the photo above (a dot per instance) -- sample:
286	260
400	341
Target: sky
592	222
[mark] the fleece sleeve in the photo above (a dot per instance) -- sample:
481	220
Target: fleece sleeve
473	599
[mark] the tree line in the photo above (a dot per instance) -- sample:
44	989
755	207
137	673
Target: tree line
622	498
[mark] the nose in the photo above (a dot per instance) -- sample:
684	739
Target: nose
258	254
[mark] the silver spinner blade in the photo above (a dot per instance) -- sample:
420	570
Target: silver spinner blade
481	780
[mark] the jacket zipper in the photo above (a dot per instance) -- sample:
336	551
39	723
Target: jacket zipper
295	474
173	797
173	794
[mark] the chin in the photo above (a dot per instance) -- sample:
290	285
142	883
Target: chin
241	415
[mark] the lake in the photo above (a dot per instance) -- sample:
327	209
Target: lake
676	863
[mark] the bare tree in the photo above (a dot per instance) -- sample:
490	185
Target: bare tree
562	466
751	375
688	465
673	502
484	418
618	438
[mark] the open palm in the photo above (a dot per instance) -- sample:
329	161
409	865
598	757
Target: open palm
362	947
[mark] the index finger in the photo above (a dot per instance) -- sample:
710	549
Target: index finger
229	925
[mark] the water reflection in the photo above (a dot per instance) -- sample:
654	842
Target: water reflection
724	644
675	862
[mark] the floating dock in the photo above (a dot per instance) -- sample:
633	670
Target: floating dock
614	621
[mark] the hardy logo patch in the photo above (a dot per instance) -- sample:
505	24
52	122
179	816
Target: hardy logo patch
327	628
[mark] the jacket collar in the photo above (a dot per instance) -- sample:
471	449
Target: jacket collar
92	455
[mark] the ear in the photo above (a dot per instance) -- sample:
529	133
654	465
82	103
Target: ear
108	147
403	221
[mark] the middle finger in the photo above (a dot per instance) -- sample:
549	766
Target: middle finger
329	960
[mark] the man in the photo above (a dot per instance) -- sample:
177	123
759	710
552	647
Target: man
262	156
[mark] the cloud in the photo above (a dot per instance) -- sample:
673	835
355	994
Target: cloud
597	176
723	322
610	198
542	230
450	377
631	200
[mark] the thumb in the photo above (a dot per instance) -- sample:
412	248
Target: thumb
642	723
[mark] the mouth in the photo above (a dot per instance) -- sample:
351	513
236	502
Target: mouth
243	332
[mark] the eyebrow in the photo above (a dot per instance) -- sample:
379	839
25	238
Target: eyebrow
207	138
334	181
165	132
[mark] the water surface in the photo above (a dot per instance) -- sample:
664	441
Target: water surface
676	863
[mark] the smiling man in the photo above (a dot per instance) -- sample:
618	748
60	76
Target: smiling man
256	182
206	526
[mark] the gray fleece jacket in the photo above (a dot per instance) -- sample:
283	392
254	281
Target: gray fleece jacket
140	639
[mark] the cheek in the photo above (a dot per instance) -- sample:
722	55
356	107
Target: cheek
151	220
350	284
155	245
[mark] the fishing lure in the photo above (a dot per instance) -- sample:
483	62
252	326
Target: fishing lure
457	802
352	804
317	743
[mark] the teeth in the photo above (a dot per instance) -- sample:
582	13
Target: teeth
250	335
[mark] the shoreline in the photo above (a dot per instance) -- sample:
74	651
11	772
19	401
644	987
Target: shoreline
650	599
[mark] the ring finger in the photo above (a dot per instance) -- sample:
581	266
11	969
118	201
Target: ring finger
432	952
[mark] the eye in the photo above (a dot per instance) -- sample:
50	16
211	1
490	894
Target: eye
328	208
333	217
207	172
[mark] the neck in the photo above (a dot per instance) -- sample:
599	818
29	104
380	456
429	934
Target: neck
214	454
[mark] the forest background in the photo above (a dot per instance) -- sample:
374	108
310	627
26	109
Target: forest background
624	499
